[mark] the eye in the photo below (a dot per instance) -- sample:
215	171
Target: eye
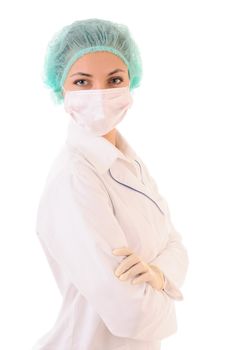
77	81
117	78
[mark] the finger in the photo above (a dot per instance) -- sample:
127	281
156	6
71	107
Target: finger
126	264
134	271
145	277
122	251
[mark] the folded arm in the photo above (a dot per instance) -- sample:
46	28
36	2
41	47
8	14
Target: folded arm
76	222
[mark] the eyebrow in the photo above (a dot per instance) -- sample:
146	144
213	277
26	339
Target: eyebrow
89	75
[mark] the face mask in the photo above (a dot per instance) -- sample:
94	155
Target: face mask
98	111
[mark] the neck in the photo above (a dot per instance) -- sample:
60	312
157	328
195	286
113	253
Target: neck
111	136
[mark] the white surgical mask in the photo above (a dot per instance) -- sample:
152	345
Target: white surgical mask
100	110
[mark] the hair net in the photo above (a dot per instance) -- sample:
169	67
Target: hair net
89	35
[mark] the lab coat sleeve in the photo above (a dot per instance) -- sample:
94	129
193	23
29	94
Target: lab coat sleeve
76	222
173	260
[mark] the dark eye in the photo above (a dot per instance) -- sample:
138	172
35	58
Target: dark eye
77	81
117	78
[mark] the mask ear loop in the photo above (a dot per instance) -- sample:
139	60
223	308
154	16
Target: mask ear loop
63	91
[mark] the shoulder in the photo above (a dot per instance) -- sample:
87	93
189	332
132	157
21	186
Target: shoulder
71	174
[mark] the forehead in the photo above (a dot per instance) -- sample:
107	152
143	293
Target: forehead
98	60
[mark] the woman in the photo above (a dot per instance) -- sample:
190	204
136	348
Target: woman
106	231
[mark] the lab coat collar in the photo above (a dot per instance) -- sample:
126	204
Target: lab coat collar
102	154
97	149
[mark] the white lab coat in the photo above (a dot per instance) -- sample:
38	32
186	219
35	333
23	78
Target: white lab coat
98	197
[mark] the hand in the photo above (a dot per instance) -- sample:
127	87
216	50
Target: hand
133	266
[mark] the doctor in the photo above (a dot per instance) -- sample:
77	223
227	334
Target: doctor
106	231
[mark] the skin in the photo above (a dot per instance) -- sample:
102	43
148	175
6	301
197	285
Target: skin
99	65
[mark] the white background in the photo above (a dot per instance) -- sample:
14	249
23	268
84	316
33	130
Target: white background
180	124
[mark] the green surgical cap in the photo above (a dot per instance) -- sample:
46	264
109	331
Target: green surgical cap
84	36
